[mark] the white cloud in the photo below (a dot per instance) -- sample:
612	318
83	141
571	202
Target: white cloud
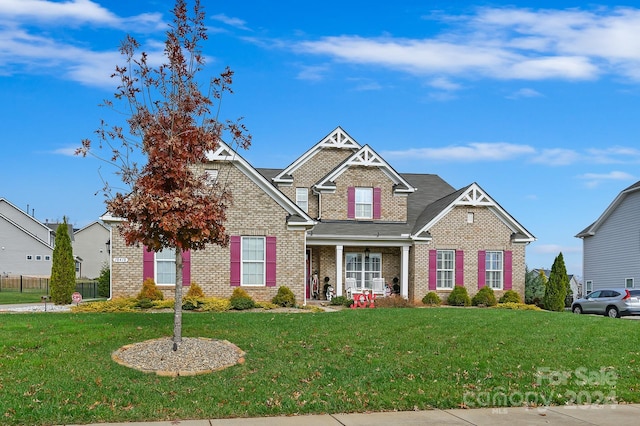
556	157
592	180
505	43
554	249
233	22
614	154
80	11
525	93
472	152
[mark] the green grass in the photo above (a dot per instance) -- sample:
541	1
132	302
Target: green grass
12	297
56	368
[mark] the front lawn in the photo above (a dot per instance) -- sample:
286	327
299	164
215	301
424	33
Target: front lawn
56	367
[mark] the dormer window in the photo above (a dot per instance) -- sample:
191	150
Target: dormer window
364	203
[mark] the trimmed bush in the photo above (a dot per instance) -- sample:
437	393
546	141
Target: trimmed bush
484	297
518	306
195	291
284	298
150	291
510	296
459	297
431	298
341	301
240	300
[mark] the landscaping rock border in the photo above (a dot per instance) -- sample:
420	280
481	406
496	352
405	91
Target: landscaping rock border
194	356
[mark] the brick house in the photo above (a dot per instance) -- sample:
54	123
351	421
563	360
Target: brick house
340	215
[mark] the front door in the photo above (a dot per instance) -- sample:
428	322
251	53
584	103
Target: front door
363	268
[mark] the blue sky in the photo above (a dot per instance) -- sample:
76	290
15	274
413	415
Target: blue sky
537	102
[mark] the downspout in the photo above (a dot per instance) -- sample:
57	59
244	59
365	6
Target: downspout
304	268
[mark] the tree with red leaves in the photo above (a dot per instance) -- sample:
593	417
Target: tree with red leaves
169	204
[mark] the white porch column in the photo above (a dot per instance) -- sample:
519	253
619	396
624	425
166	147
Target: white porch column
339	270
404	276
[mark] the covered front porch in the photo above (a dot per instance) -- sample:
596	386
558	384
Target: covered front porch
353	267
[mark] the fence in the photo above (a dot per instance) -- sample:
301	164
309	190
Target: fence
40	285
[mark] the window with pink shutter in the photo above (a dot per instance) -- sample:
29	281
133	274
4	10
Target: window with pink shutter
351	202
481	268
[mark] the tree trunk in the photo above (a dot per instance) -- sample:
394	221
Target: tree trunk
177	307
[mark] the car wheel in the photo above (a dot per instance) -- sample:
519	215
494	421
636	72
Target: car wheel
612	312
577	309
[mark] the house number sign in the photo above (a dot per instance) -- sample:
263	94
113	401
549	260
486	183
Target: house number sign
120	260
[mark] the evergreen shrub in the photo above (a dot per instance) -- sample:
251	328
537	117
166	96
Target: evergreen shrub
484	297
284	298
459	297
150	291
510	296
240	300
431	298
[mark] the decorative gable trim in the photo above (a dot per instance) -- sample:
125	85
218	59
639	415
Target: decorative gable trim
338	139
224	153
475	196
365	157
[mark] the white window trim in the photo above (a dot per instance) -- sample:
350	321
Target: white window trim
171	260
452	269
363	272
487	271
263	262
302	199
470	217
588	287
626	283
211	176
369	204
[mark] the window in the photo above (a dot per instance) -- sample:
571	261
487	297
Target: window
166	267
628	283
47	257
469	217
364	203
493	269
38	257
445	267
29	257
588	286
302	199
211	176
363	268
253	261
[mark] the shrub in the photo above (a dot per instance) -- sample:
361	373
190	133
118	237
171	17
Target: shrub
267	306
215	304
284	297
144	303
118	304
103	281
484	297
510	296
518	306
150	291
341	301
240	300
163	304
195	291
459	297
431	298
392	302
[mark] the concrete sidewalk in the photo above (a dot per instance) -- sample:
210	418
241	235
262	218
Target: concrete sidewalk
618	415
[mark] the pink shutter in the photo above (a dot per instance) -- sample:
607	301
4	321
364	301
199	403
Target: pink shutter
351	202
482	278
377	204
271	262
148	264
186	268
508	269
234	248
460	268
433	274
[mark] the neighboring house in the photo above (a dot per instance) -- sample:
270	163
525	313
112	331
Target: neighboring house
610	245
26	245
340	214
574	283
91	244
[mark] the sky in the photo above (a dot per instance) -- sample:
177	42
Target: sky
537	102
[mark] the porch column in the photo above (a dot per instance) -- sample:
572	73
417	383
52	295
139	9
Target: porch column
339	270
404	276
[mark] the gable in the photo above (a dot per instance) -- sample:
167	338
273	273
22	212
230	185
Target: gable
472	196
368	158
620	199
338	139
